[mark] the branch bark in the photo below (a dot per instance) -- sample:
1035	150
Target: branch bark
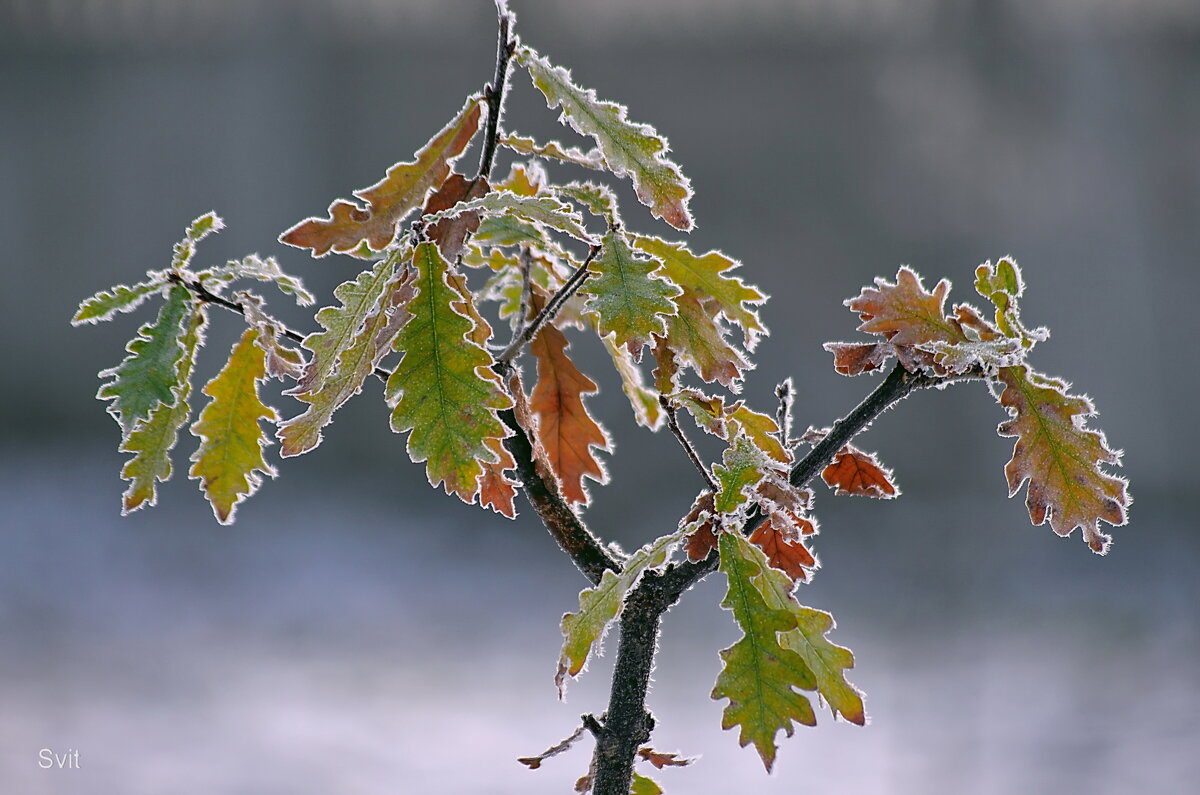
629	724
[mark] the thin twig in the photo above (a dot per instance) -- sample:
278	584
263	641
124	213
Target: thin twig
673	424
550	310
505	47
206	295
783	415
525	263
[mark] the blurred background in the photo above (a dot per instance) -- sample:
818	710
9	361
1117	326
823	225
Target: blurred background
358	632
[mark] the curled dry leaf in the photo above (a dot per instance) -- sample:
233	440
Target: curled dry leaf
859	473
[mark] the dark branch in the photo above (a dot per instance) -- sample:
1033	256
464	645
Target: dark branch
629	724
541	489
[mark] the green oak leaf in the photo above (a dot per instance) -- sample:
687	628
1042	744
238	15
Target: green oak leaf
583	632
644	785
629	299
444	390
359	297
544	210
356	362
646	409
827	662
506	230
759	676
628	149
151	442
698	339
744	466
185	249
149	374
105	304
229	460
708	275
263	269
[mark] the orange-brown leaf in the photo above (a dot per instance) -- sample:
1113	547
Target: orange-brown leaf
496	489
661	760
780	538
565	429
859	473
703	540
856	358
450	233
390	199
905	313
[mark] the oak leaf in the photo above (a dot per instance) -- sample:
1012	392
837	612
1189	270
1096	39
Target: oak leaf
857	472
628	149
1060	457
552	149
629	299
564	427
905	313
708	276
701	539
229	462
759	676
583	632
451	233
264	269
151	441
661	760
443	390
646	409
358	298
497	490
391	199
149	375
779	537
743	466
643	785
698	339
356	361
118	298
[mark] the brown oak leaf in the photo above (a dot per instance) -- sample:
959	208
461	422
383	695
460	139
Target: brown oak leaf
565	429
905	313
703	540
451	233
390	199
859	473
661	760
780	538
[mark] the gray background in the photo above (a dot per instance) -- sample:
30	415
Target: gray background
357	632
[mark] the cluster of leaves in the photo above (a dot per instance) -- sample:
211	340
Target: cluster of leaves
1060	458
556	256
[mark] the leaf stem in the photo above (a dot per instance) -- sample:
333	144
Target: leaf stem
673	424
550	310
